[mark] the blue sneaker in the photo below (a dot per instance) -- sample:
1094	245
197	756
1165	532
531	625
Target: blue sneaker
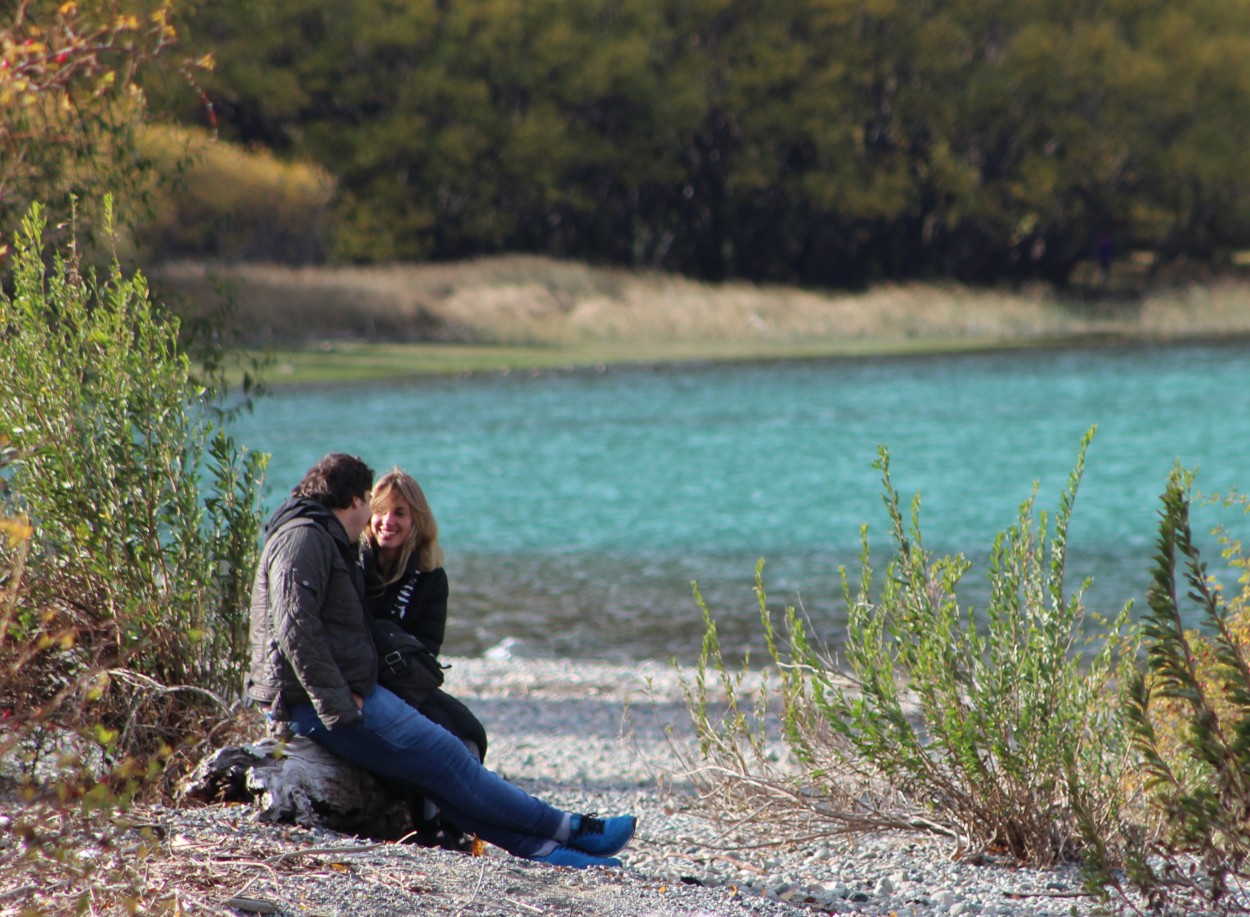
601	836
575	859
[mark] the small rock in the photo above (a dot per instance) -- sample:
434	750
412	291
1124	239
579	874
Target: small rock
253	905
780	891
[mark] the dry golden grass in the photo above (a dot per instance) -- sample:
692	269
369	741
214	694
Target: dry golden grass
580	314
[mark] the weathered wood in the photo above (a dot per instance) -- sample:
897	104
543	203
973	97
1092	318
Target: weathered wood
296	781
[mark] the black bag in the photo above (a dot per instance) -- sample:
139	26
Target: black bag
405	666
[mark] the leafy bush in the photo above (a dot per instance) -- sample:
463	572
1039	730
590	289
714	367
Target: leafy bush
132	613
1189	710
994	729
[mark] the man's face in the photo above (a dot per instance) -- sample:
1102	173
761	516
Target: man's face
357	516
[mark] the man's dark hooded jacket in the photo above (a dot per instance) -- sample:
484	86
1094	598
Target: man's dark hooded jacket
309	637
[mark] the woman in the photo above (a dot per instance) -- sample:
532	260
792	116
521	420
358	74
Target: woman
405	583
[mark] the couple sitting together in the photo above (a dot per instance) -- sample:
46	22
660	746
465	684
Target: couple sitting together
314	663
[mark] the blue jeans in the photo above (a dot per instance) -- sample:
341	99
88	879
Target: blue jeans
394	740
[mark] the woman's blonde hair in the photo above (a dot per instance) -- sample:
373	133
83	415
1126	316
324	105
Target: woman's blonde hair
422	539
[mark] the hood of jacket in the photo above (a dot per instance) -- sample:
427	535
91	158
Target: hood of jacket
303	508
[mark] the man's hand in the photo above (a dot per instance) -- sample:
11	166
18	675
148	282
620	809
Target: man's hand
360	701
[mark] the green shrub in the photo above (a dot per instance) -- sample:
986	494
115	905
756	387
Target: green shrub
132	612
995	729
1192	854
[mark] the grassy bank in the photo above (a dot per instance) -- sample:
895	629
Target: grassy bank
362	361
527	313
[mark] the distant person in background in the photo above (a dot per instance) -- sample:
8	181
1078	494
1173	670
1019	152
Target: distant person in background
314	665
1106	254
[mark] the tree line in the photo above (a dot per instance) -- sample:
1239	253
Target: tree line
814	141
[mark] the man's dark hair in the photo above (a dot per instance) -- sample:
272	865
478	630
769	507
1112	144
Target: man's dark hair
335	481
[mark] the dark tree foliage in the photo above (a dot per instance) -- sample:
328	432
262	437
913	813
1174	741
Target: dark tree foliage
817	141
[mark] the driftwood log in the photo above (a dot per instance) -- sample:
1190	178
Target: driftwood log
296	781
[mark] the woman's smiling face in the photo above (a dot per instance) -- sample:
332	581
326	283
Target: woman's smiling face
391	525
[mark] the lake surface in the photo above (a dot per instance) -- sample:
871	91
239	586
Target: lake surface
577	507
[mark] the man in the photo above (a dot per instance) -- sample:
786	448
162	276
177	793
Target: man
313	663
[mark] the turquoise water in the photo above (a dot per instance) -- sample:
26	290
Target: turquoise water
577	507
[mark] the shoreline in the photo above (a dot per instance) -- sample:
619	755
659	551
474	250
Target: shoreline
599	736
585	736
361	362
533	314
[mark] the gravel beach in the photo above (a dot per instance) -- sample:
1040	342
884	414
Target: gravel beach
586	737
